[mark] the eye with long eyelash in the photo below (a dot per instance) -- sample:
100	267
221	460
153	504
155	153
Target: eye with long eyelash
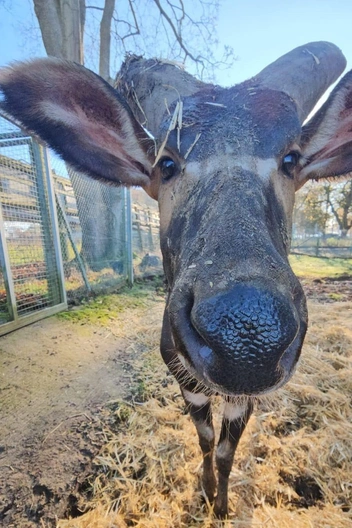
290	162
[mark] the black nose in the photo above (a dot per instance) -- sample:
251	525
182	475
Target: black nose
247	331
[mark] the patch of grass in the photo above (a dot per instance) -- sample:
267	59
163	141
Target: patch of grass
315	267
35	287
336	296
22	254
119	413
105	308
141	392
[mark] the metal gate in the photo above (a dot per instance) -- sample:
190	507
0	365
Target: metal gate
31	271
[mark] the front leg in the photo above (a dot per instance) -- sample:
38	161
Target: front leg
233	424
199	407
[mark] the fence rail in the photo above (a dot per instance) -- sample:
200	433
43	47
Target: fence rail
322	247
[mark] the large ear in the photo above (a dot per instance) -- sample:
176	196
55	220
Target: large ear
81	117
326	140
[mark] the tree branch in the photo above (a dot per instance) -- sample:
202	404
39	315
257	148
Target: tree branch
95	7
136	26
177	34
327	189
82	13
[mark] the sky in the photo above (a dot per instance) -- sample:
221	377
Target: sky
259	31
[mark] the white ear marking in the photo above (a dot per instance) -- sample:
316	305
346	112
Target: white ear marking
57	113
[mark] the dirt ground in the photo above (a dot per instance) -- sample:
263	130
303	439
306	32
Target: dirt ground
57	379
328	290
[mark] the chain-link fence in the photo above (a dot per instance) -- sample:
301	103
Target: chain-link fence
93	221
145	235
45	206
104	239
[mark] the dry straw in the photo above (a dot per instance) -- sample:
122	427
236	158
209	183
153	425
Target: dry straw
293	467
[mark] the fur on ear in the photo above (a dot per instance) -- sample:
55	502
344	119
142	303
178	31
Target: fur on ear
327	138
80	116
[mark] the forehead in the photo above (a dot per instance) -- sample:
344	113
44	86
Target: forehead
243	120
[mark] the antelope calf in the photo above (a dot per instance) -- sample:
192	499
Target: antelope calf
224	165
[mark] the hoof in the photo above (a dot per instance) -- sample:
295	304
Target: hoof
221	510
221	514
208	488
208	495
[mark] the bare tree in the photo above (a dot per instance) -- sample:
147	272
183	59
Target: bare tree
69	30
317	205
163	28
340	203
154	27
311	212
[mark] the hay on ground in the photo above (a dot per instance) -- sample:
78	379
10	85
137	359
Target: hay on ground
293	466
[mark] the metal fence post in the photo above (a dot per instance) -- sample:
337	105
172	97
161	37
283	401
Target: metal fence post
317	248
128	228
52	251
7	272
78	257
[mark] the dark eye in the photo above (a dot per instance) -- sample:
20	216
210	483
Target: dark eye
168	168
289	163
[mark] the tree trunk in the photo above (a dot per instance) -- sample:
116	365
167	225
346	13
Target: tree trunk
72	34
62	26
48	15
105	41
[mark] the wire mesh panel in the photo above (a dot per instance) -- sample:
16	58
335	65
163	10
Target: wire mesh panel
45	207
4	304
31	276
